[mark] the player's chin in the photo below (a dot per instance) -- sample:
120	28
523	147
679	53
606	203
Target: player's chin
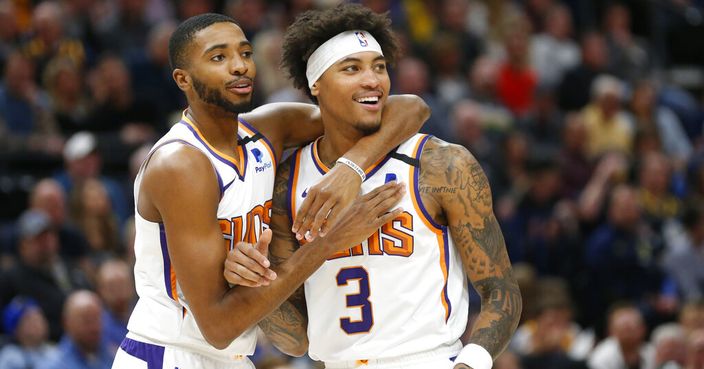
369	127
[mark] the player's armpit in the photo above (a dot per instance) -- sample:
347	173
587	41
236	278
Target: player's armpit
458	184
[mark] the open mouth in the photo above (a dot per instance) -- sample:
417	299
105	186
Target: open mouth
241	87
368	100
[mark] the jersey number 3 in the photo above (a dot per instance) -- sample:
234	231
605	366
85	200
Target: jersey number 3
360	300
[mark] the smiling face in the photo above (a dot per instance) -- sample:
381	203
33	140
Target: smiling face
353	91
220	70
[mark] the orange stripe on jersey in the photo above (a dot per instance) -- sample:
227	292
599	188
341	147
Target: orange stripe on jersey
292	185
229	158
174	290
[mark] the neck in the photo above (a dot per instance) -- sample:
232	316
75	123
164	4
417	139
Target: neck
219	127
337	140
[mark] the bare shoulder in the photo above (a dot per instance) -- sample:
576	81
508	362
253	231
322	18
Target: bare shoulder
177	174
448	170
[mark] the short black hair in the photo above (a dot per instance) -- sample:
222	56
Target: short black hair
183	35
312	28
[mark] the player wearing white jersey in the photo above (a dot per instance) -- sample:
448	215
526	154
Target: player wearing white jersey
398	299
206	186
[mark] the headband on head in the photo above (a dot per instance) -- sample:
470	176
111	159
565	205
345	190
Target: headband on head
336	48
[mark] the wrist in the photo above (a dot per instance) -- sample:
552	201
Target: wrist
353	166
475	357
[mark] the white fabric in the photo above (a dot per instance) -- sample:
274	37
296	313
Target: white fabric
402	270
336	48
475	356
174	358
436	359
162	315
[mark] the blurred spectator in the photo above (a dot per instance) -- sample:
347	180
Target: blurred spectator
620	257
412	78
468	131
126	28
25	323
691	316
48	38
607	127
453	20
82	161
48	196
553	52
83	345
543	123
64	82
40	272
670	343
510	177
445	59
553	339
625	347
150	71
659	205
121	117
507	360
9	30
695	350
576	83
610	170
116	289
92	213
249	14
517	80
695	178
26	123
628	58
684	260
128	236
575	166
647	115
482	89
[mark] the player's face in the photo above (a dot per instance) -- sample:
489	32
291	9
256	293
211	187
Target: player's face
354	90
222	69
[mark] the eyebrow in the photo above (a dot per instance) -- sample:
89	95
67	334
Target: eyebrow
351	59
224	46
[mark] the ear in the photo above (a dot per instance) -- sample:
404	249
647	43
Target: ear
182	78
315	89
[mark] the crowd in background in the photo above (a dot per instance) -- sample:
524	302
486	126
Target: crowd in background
587	117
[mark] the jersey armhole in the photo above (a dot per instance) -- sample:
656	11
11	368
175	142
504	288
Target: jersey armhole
415	193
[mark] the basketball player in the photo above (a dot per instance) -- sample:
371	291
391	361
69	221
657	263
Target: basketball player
210	178
398	299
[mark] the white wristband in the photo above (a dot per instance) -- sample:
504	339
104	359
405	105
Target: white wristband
475	356
355	167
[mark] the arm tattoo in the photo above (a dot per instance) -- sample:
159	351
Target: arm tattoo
456	184
286	326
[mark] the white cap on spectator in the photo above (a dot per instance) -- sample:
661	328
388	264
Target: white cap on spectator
607	85
79	146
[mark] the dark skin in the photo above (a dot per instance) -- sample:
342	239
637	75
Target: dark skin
455	192
220	58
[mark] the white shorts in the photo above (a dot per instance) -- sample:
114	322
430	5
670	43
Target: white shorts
134	354
441	358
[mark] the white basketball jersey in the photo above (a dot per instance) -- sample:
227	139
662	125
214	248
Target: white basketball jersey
400	292
162	314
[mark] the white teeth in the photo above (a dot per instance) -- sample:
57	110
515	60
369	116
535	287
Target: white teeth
372	99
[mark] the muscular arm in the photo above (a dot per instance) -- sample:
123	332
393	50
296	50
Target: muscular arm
295	124
286	326
460	196
179	188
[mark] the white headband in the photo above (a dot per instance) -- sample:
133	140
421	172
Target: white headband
336	48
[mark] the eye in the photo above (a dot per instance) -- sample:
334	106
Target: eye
380	67
247	54
218	58
350	68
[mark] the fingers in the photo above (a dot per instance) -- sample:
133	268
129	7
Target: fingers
263	242
387	199
306	218
387	217
321	218
236	274
332	219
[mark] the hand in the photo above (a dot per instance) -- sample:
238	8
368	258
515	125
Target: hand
247	264
325	201
366	214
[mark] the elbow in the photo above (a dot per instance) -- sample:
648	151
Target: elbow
296	350
218	337
423	110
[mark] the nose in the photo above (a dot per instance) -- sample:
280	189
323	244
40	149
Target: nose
370	79
238	66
